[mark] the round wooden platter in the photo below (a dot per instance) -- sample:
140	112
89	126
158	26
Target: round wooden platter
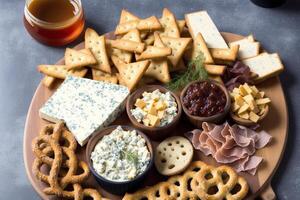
276	123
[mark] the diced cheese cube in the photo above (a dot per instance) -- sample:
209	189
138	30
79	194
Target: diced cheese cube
154	120
152	110
253	117
236	91
263	101
239	100
160	114
140	103
160	105
247	88
256	109
244	115
243	91
248	98
235	107
243	108
254	90
262	111
146	122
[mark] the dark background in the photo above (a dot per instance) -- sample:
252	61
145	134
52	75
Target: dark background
278	30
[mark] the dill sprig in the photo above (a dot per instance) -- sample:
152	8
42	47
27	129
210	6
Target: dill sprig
130	156
195	71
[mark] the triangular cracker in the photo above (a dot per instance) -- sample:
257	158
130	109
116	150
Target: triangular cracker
102	76
154	52
199	45
48	81
181	25
61	71
150	39
178	45
126	16
123	55
168	21
96	44
159	68
133	35
128	45
75	59
148	24
131	73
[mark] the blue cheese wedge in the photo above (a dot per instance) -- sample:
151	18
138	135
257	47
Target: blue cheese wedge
85	105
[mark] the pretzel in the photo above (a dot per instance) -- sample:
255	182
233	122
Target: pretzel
218	183
200	181
55	147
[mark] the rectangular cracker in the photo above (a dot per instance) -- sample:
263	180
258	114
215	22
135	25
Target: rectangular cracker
96	44
127	45
215	69
225	54
200	22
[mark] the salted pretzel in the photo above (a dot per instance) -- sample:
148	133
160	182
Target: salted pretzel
218	183
200	181
55	147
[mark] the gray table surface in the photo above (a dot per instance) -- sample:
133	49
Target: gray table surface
277	29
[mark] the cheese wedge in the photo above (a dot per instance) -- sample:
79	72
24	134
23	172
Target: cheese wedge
200	22
265	65
247	49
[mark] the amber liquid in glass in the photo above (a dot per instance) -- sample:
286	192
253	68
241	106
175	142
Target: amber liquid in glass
54	22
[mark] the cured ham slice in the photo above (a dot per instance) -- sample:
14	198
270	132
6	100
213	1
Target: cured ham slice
232	145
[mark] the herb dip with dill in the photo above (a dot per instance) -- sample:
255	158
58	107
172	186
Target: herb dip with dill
121	155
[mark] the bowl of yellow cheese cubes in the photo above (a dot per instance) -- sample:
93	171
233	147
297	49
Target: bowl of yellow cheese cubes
249	105
154	110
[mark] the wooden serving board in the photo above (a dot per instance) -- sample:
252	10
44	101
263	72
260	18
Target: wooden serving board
276	123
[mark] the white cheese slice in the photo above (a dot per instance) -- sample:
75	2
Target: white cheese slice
247	48
200	22
265	65
85	105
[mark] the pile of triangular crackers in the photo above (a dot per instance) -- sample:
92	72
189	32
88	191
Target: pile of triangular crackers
147	50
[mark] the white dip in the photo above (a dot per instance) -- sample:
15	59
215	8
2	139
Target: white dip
121	155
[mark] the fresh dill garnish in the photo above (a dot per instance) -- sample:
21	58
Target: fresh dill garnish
130	156
195	71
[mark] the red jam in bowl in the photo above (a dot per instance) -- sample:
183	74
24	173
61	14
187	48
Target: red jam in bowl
204	99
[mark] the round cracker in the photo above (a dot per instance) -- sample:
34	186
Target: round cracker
173	155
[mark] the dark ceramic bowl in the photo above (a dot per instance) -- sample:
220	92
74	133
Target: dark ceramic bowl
118	188
155	133
217	118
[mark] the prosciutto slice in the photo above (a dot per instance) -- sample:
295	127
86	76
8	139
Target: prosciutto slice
232	145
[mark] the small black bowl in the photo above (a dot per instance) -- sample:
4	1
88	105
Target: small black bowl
118	188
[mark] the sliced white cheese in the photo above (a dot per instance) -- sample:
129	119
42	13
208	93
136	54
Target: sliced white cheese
200	22
247	48
85	105
265	65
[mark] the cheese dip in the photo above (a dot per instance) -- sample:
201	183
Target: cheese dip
121	155
155	109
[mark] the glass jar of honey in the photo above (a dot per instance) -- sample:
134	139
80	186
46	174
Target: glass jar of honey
54	22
